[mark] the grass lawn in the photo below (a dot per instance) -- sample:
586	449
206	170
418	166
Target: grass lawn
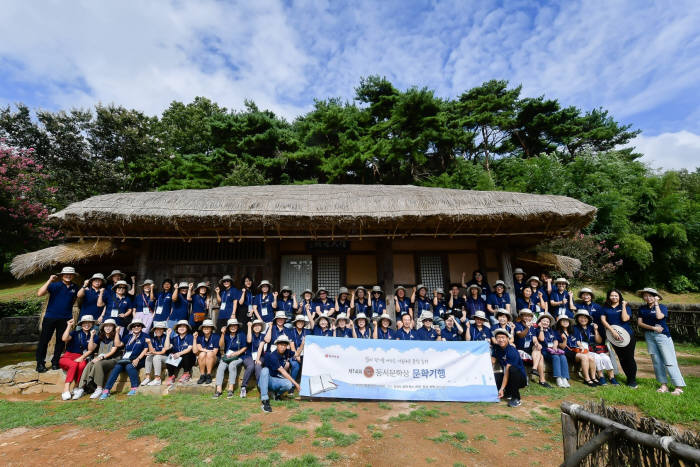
18	290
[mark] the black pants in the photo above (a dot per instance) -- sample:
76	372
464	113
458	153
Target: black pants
48	327
629	364
242	316
516	380
186	364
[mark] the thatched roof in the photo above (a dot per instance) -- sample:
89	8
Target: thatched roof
70	253
565	264
322	210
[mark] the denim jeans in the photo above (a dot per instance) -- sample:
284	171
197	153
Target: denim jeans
663	356
117	370
560	367
268	383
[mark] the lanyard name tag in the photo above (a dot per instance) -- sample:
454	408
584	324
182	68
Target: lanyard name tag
146	310
264	311
230	353
127	355
223	306
255	355
483	296
527	344
550	344
159	309
585	345
537	308
562	310
114	313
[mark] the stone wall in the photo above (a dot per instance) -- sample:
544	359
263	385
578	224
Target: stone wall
15	329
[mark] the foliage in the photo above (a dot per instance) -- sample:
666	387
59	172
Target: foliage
598	262
28	307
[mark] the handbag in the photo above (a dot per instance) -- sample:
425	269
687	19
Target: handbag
555	351
599	348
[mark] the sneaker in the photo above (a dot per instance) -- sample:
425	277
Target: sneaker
566	383
97	393
560	383
614	382
276	396
170	381
66	396
146	381
244	392
229	395
104	395
602	381
208	380
266	406
155	382
55	367
41	368
185	378
78	393
202	379
514	403
633	385
545	384
132	392
216	395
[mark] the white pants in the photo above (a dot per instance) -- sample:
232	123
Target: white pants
602	361
155	362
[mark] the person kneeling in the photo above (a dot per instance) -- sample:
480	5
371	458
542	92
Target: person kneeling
278	374
514	376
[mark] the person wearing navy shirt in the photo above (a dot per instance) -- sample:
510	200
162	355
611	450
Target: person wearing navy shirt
120	306
427	332
529	347
79	345
575	351
539	292
377	303
439	307
114	277
278	374
287	303
233	344
206	348
182	348
136	345
342	304
323	304
474	303
383	329
452	330
227	297
457	304
306	305
529	300
62	295
359	302
341	328
420	300
499	299
549	339
164	302
514	376
297	335
88	295
586	332
652	319
244	310
160	341
144	305
594	310
180	308
617	312
252	360
277	328
200	305
402	304
479	280
323	326
406	331
263	303
560	300
518	281
478	332
361	330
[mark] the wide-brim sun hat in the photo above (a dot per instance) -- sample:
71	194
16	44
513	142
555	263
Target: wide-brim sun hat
227	277
473	286
426	316
545	315
280	315
207	323
116	272
321	289
264	282
361	316
385	316
518	271
586	290
86	319
651	291
108	321
120	284
282	339
360	287
232	322
97	275
307	291
343	290
300	318
421	286
622	332
503	311
525	311
183	322
286	288
501	283
326	316
67	270
147	282
562	280
183	285
135	322
501	331
440	291
534	278
202	284
258	321
376	289
566	317
478	314
341	316
400	287
583	313
160	325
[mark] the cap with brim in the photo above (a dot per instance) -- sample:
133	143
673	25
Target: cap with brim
525	311
361	316
343	290
534	278
281	339
501	283
583	313
207	323
86	319
300	318
586	290
286	288
226	278
649	290
135	322
518	271
108	321
563	280
183	322
506	313
67	270
120	284
545	315
478	314
426	316
232	322
501	331
183	285
473	286
97	275
116	272
160	325
264	282
376	288
281	315
385	316
147	282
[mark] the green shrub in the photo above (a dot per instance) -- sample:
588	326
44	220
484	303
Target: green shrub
28	307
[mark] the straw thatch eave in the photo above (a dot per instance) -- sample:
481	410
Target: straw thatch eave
70	253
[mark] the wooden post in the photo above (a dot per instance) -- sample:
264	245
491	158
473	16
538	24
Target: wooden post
385	261
569	435
144	251
507	274
271	266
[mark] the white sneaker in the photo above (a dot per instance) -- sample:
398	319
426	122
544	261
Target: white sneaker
78	393
146	381
155	382
96	394
559	382
66	396
243	392
566	383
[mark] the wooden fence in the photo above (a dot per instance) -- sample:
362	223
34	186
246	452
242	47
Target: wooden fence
683	321
595	435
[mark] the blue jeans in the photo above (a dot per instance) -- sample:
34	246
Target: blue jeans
560	367
117	370
268	383
663	356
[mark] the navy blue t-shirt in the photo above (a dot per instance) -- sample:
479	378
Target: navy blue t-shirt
208	343
388	334
164	302
614	316
287	306
297	337
509	356
320	332
402	335
264	305
274	361
134	345
79	341
275	332
451	334
423	334
343	332
61	299
480	335
158	342
256	339
499	302
234	343
180	309
181	343
404	306
89	304
228	296
648	315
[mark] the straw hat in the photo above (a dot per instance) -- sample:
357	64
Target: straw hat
649	290
120	284
86	319
207	323
135	322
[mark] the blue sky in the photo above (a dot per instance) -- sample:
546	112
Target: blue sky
638	59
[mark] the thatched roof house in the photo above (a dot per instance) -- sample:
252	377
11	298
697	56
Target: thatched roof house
311	235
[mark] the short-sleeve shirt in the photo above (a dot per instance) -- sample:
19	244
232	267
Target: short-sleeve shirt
423	304
234	343
274	361
164	302
255	344
402	335
320	332
533	305
199	310
561	309
586	335
135	345
326	306
89	304
614	316
378	307
61	299
297	337
404	306
275	332
518	287
549	337
648	315
343	307
287	306
158	342
439	309
264	305
343	332
423	334
210	343
79	341
475	305
366	334
524	343
509	356
499	302
181	343
361	306
571	340
484	286
389	334
117	306
480	335
450	334
228	296
180	308
143	303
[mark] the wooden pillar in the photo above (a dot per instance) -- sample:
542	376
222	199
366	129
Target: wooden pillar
385	263
507	275
569	436
142	269
271	266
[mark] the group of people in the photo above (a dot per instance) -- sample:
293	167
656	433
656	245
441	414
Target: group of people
123	327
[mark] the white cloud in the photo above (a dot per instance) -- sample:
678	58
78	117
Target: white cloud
680	150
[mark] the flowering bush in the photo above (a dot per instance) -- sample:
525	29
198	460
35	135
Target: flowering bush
24	194
598	260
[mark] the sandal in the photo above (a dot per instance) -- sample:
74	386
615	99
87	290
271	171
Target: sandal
662	390
677	392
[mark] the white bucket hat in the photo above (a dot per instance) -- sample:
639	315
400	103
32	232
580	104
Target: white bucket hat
303	318
651	291
160	325
518	271
501	331
342	316
120	284
183	322
67	270
207	323
135	322
280	315
282	339
232	322
426	315
384	316
586	290
480	315
86	319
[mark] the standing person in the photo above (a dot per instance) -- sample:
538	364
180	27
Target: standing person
406	331
233	346
155	359
514	376
181	353
499	299
528	345
420	301
252	361
120	306
96	371
549	339
136	344
144	304
617	312
359	302
457	305
62	295
474	303
114	277
427	332
452	330
200	305
439	307
361	330
263	303
587	333
478	332
478	279
383	329
377	303
88	295
342	304
652	319
575	350
80	344
324	305
518	281
227	297
287	302
278	374
306	306
561	299
164	303
244	311
402	304
206	348
539	292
